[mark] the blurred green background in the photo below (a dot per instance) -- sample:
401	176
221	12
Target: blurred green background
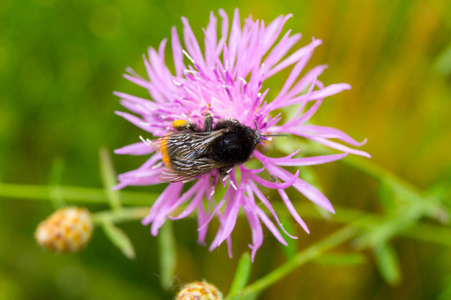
60	61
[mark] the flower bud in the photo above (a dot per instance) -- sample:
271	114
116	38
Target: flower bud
199	291
66	230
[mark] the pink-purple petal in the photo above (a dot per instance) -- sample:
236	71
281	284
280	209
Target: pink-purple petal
270	225
273	185
201	217
268	205
254	223
135	149
312	193
330	133
309	161
191	44
230	218
295	57
172	190
292	210
134	120
339	147
196	202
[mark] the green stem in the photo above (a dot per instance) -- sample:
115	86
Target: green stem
301	258
72	193
56	197
378	172
423	232
430	233
121	215
366	166
109	179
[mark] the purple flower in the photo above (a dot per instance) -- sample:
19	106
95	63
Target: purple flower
227	78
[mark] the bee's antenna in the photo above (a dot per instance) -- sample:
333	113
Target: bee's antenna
275	134
256	128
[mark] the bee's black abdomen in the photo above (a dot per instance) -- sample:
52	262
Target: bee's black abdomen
190	151
235	146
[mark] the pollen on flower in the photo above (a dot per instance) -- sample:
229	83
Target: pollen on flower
66	230
179	123
199	291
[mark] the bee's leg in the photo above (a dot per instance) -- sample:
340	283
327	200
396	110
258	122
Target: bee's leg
274	179
224	171
208	121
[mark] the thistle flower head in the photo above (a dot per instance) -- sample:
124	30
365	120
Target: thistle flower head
66	230
199	291
227	79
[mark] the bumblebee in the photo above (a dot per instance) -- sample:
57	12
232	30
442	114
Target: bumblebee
190	151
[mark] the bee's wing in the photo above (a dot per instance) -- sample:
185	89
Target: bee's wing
191	145
187	142
184	152
187	170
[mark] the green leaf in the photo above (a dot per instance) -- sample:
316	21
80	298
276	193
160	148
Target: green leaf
242	274
56	171
446	292
387	263
387	197
168	255
119	238
109	179
443	61
341	259
308	254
